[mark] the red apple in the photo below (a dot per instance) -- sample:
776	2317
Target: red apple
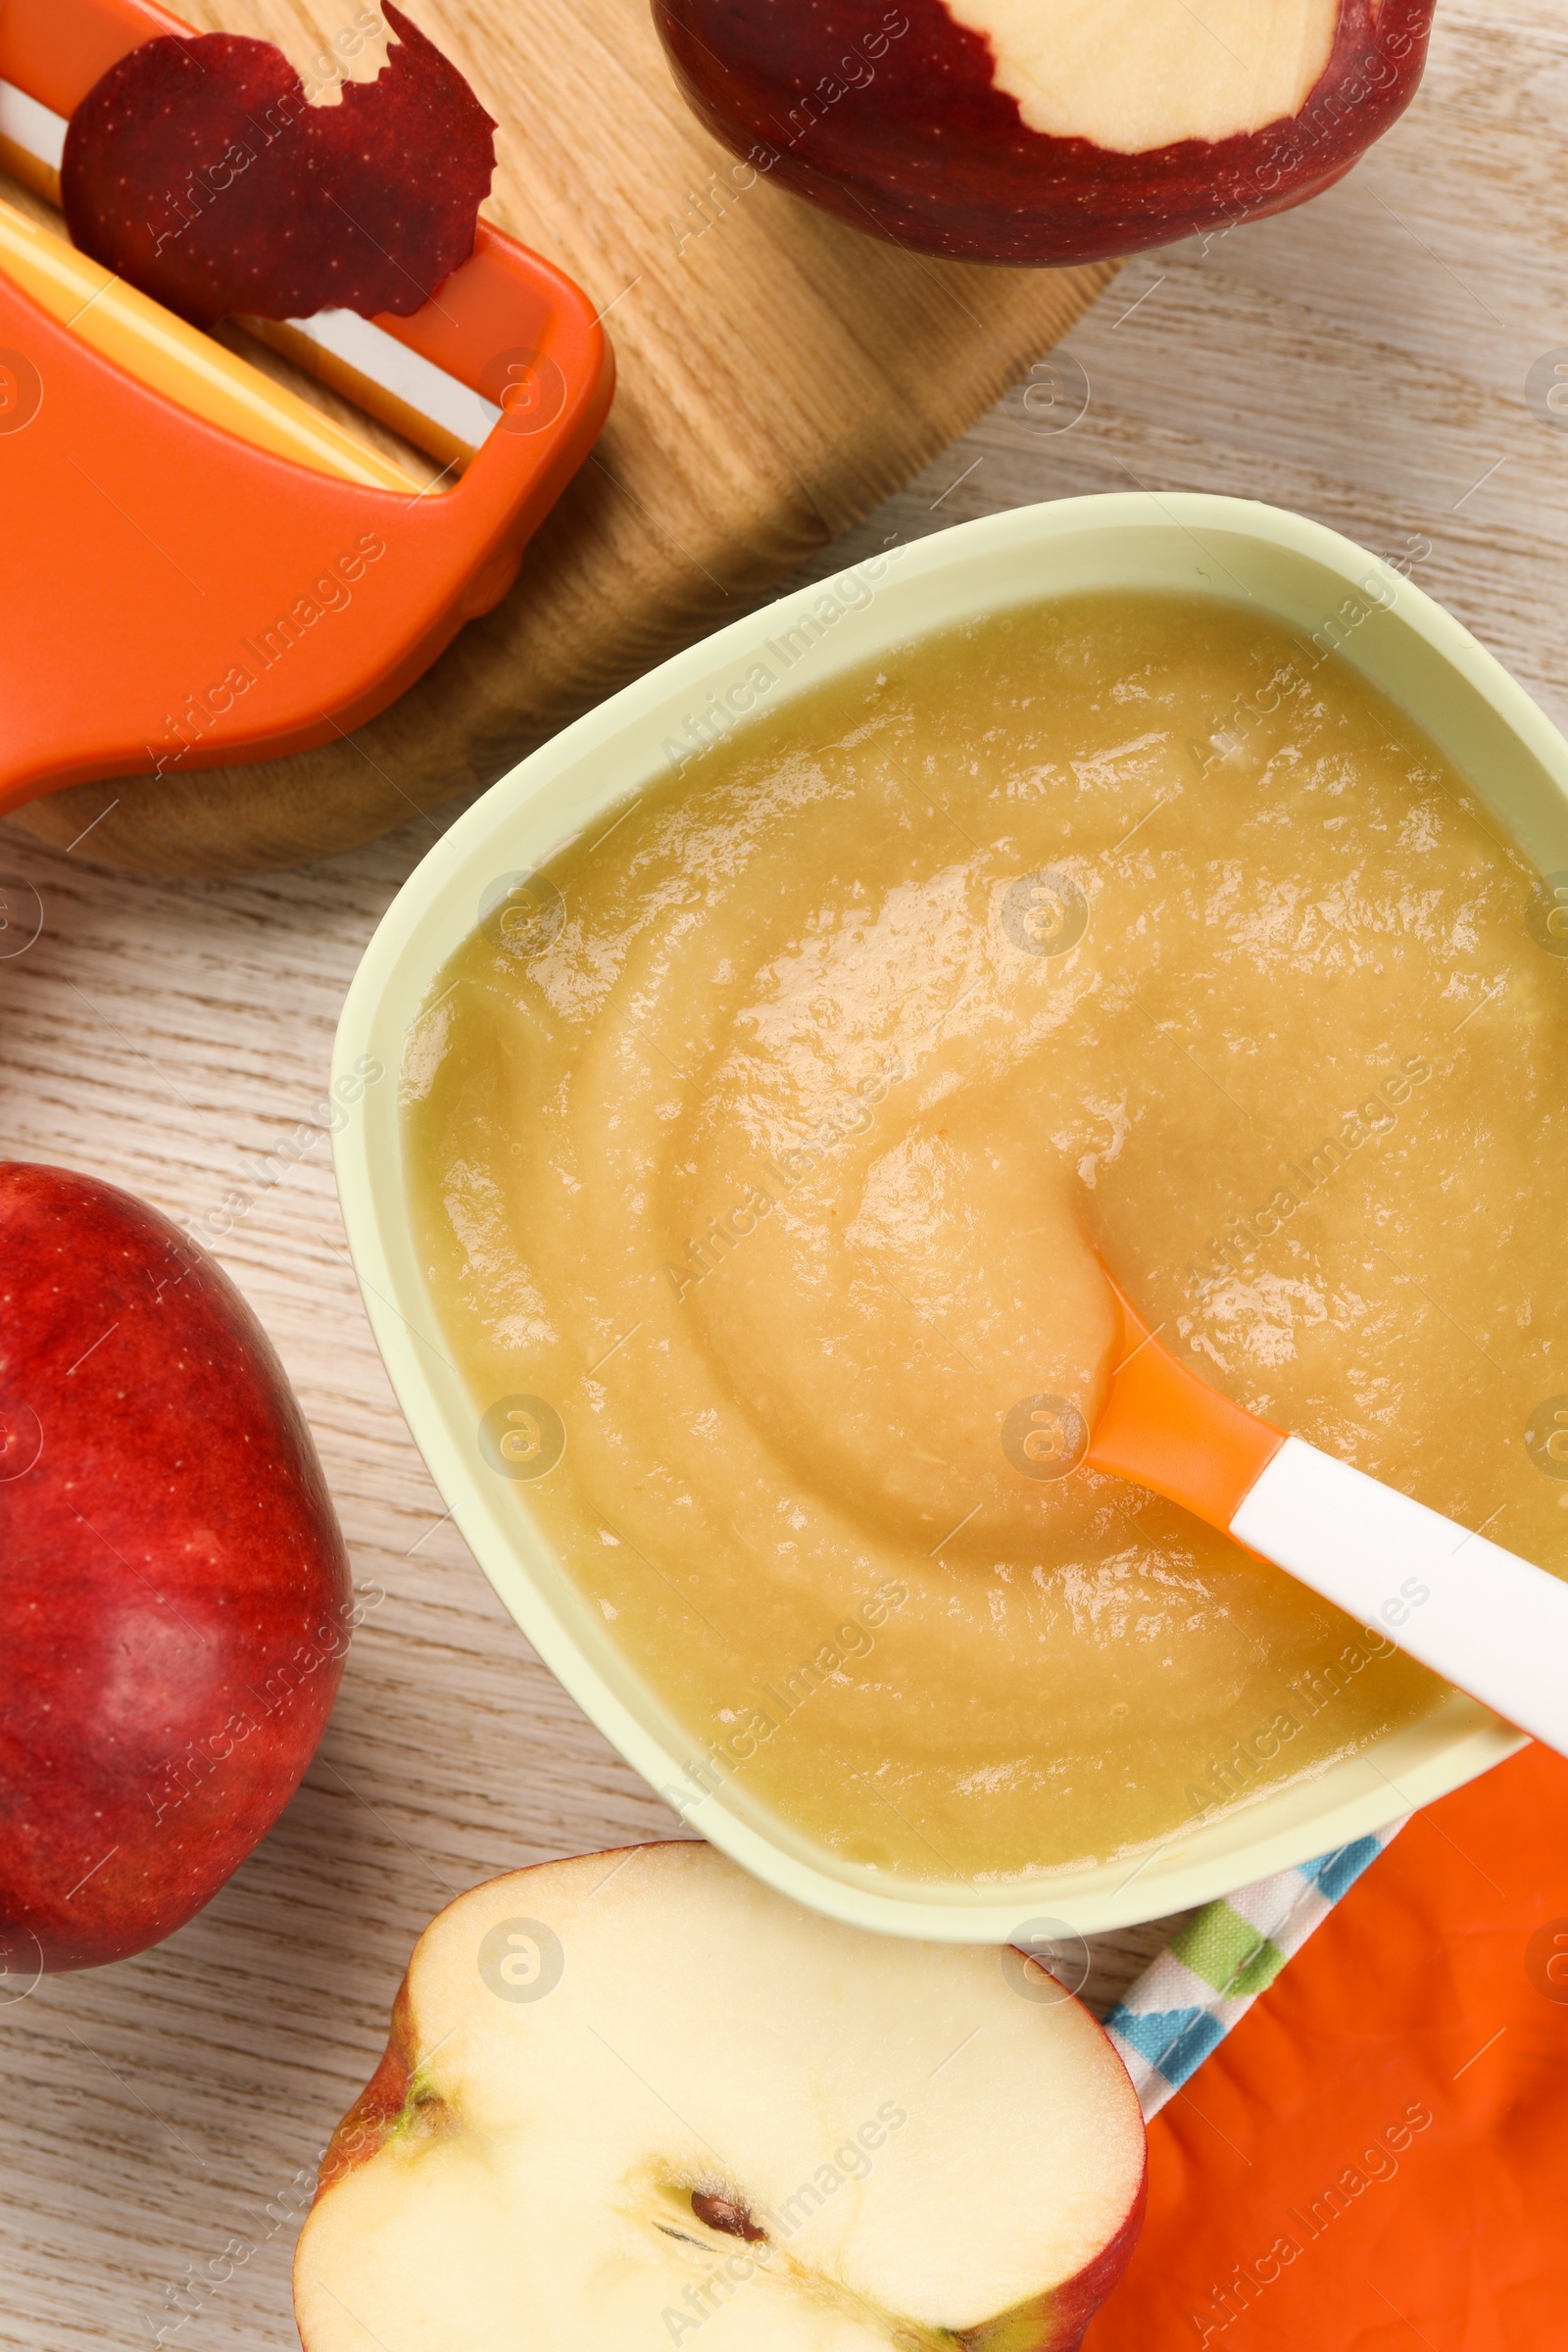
635	2092
175	1597
1046	131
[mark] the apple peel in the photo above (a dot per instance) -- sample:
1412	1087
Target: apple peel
634	2092
199	171
1047	132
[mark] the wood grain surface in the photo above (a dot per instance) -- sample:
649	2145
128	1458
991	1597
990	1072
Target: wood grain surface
779	374
1364	360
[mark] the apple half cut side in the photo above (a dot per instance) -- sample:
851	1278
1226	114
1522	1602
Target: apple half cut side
638	2095
1047	131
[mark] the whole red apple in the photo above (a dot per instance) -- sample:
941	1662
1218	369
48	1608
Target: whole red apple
1046	131
174	1595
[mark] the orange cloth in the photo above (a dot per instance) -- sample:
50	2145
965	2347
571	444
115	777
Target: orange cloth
1377	2157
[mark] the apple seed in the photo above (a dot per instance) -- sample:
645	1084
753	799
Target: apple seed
722	2212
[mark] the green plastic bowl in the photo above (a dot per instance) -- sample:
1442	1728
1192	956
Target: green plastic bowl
1335	595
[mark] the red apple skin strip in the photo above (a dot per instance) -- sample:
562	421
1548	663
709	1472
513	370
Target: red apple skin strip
198	170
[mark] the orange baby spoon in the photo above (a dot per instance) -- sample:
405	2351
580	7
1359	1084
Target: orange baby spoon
1479	1616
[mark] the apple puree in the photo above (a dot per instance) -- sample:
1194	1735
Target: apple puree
765	1149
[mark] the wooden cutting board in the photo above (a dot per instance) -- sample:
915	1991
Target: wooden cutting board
779	375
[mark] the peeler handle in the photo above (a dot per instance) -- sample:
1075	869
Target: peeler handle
1478	1615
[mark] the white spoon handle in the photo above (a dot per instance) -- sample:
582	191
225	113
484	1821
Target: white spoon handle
1475	1614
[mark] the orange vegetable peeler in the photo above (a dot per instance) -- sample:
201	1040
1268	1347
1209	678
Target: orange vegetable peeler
201	566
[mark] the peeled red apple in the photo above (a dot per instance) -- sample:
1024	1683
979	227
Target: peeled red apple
635	2096
1046	131
175	1597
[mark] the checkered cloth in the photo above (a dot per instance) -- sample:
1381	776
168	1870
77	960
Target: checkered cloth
1214	1969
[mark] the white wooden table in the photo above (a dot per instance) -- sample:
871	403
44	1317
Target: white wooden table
1364	360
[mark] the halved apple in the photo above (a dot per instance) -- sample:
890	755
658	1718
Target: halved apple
636	2094
1048	130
